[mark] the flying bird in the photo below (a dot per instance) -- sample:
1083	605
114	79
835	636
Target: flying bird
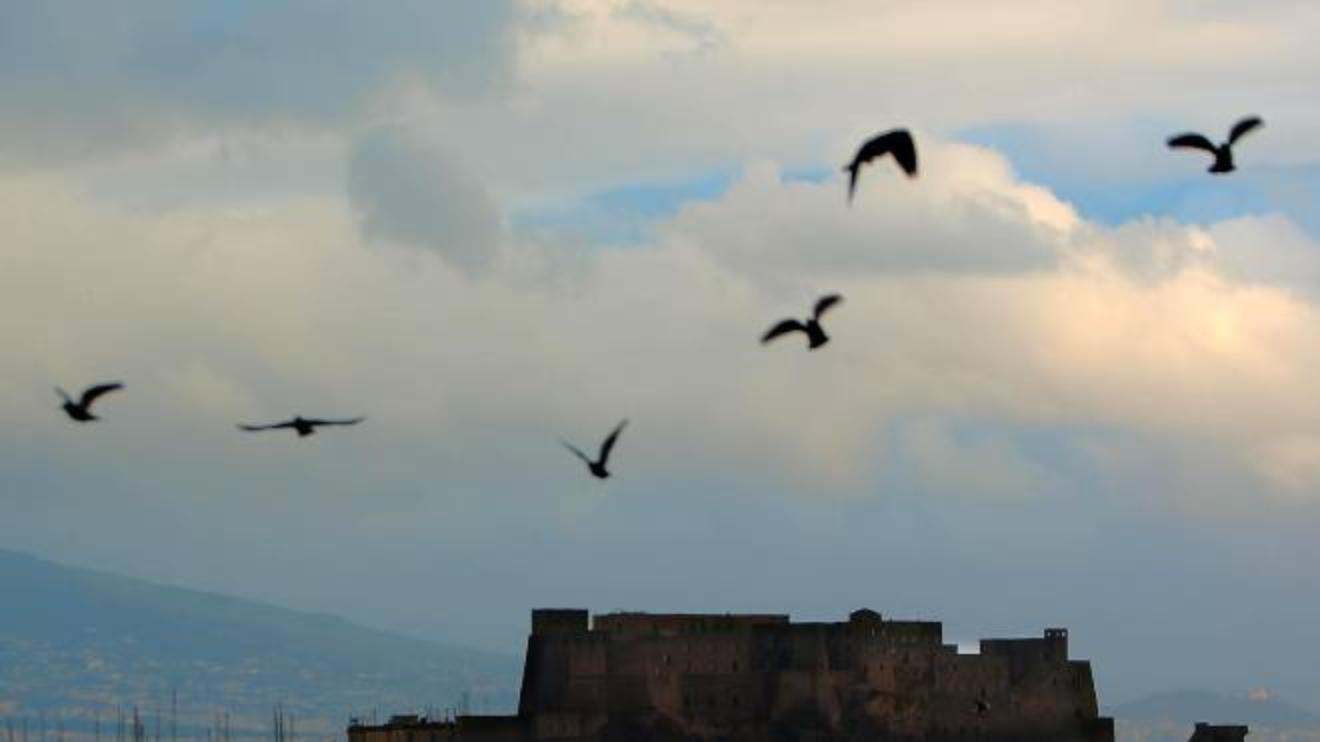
304	426
897	143
1223	152
81	410
816	337
981	706
597	467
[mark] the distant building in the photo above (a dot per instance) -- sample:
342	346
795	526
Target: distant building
403	728
639	677
1218	733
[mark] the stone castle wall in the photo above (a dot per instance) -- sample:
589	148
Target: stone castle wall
652	676
638	677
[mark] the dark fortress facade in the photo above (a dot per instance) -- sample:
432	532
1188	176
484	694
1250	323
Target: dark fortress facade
634	677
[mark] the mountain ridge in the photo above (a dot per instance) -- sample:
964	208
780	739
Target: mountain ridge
1256	708
81	642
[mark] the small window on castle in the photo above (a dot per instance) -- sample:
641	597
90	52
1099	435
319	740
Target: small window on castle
735	666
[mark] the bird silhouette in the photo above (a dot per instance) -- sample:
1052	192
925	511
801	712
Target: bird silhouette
1223	152
303	425
816	336
897	143
597	467
81	410
981	706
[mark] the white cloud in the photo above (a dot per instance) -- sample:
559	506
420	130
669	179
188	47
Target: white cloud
1154	251
1269	250
802	84
969	296
968	197
608	92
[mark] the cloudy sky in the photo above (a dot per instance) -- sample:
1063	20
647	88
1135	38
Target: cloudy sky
1074	381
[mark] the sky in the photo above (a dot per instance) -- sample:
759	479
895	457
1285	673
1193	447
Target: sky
1072	382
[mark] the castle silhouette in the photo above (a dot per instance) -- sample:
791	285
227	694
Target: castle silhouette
639	677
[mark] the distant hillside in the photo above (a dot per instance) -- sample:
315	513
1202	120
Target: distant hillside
1259	709
75	643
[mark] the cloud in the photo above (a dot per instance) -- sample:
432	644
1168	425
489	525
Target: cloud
947	460
83	83
1034	403
1269	250
410	191
970	296
968	216
1153	251
1291	463
804	83
706	35
1042	412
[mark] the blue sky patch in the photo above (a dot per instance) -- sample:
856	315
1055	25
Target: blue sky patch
1190	196
627	214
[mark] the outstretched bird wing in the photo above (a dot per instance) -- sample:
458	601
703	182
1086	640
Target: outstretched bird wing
825	302
608	445
351	421
783	328
258	428
578	452
1194	141
89	396
1244	127
897	143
